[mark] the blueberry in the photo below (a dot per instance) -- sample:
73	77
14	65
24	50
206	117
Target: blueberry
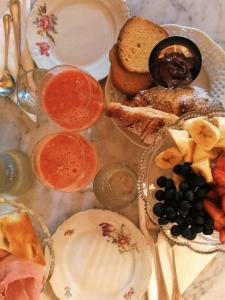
199	220
179	196
186	233
189	220
161	181
185	204
159	195
159	209
209	223
163	221
208	231
193	236
185	170
169	183
184	186
179	220
200	181
184	212
201	193
197	228
198	205
170	193
189	195
171	213
177	169
174	204
175	230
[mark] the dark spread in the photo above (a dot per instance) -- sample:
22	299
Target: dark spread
174	69
175	62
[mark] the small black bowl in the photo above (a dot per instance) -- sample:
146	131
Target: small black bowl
175	62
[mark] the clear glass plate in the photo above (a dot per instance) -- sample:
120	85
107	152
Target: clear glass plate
148	175
41	230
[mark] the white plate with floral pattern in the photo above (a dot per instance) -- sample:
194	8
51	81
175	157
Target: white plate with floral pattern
76	32
100	255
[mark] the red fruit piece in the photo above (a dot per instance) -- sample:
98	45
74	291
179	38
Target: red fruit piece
219	176
218	226
220	163
222	236
221	190
212	195
223	203
212	210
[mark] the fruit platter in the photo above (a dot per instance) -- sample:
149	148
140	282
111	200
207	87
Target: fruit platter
182	182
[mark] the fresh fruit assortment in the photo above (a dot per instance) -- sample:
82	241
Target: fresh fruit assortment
194	199
184	205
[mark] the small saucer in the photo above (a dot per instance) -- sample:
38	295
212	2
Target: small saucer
175	62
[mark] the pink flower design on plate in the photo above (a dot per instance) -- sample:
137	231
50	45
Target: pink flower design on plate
46	23
119	237
43	48
129	294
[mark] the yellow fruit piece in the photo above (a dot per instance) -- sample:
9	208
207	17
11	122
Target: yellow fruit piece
168	158
183	142
203	167
200	154
188	123
220	144
220	123
204	133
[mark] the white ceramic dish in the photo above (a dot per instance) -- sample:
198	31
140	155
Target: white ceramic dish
75	32
211	78
100	255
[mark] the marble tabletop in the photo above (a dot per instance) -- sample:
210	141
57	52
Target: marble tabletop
209	16
22	133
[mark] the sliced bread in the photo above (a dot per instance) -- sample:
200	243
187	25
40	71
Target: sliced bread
136	40
127	82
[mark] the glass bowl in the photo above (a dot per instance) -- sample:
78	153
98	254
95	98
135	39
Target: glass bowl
148	175
41	230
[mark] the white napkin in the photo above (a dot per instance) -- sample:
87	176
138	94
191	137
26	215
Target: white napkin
12	59
188	263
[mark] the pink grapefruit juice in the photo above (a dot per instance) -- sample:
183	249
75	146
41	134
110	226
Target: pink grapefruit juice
64	161
71	98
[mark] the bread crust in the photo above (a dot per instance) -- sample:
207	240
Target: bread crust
18	237
142	47
127	82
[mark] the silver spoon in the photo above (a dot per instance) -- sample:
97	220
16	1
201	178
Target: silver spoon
7	82
26	94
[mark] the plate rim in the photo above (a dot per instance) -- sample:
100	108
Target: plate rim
40	60
119	219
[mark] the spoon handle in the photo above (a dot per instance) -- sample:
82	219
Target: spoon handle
15	11
7	27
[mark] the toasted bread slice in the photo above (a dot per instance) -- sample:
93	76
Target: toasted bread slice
137	39
142	121
17	237
127	82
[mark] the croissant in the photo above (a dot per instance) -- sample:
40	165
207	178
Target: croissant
178	102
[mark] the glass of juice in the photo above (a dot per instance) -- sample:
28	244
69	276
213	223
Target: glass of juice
64	161
71	98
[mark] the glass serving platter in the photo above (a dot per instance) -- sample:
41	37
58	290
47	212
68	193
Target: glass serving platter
8	207
147	187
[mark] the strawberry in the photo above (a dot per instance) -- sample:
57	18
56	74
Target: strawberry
220	163
218	226
219	176
223	203
222	236
212	210
221	190
212	195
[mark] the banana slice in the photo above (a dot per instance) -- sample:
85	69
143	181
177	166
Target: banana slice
220	123
184	143
204	133
220	144
168	158
200	154
203	167
188	123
